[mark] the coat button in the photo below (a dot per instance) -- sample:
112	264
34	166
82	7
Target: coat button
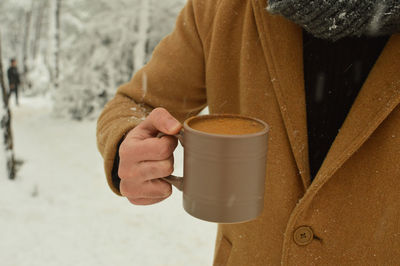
303	235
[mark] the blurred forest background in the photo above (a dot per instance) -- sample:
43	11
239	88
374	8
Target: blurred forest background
79	51
55	205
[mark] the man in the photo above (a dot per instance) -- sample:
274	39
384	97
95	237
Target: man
13	78
325	76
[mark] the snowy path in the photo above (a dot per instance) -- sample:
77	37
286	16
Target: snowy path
60	211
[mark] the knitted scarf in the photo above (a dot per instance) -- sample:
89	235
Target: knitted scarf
335	19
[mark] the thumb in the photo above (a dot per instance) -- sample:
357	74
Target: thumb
160	120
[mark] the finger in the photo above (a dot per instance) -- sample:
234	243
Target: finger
126	169
155	169
151	189
159	120
145	201
151	149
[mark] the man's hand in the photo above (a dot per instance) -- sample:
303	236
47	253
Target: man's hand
144	159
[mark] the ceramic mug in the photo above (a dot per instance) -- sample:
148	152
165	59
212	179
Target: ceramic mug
224	167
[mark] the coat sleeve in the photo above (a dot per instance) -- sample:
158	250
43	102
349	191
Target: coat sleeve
174	79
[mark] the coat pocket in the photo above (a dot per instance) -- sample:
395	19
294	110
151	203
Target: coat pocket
223	252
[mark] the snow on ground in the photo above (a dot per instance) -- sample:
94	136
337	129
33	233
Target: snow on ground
59	211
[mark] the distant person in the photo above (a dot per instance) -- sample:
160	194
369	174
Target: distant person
13	78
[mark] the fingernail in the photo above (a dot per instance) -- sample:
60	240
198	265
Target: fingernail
172	124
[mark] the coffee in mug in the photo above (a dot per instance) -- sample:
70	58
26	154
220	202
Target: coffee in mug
227	126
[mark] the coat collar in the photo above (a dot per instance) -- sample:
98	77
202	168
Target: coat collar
283	50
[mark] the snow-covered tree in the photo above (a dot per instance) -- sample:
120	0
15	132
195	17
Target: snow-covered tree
103	46
84	48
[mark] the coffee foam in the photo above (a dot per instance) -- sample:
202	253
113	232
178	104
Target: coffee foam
226	125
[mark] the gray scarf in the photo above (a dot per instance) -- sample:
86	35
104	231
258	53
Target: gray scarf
335	19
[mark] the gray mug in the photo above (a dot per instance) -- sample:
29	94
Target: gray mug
224	174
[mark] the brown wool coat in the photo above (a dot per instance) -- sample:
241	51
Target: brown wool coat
237	58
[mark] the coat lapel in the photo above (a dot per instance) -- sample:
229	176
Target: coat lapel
283	49
379	95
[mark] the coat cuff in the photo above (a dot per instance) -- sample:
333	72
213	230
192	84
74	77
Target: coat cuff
115	179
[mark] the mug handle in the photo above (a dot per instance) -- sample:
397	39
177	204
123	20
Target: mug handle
176	181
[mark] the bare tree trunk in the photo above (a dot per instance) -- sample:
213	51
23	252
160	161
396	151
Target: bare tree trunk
57	50
38	29
5	125
50	39
139	52
28	16
5	95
